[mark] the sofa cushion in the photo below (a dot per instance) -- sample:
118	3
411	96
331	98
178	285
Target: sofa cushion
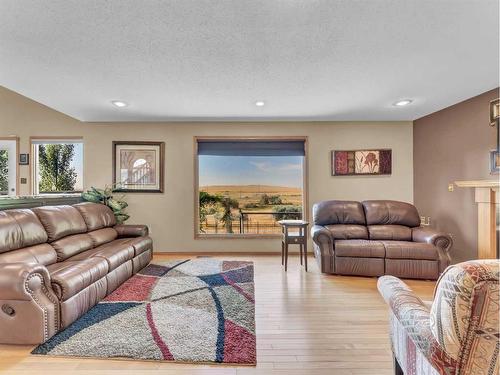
80	303
410	250
70	277
359	249
141	261
412	269
60	221
338	212
71	245
391	212
115	253
20	228
96	215
140	244
359	266
348	231
41	254
389	232
102	236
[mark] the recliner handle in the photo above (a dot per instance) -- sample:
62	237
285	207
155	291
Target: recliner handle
9	310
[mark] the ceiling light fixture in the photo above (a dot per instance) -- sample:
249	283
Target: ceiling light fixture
119	103
260	103
402	103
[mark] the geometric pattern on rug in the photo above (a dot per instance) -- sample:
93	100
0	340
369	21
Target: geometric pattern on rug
195	310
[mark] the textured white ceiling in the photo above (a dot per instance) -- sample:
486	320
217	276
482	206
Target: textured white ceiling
212	59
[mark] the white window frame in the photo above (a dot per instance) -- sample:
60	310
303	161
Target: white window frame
34	142
15	162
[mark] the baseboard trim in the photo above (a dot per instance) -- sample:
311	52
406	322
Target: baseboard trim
216	253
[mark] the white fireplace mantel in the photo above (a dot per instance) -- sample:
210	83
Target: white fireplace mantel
487	197
492	184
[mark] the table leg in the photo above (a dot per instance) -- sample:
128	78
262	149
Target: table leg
286	256
300	249
305	253
282	253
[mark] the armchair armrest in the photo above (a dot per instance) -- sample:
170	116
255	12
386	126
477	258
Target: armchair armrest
411	322
403	302
131	230
429	235
321	235
29	307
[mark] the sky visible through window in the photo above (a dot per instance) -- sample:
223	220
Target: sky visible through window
256	192
77	163
250	170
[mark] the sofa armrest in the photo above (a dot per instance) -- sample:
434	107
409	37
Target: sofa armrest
441	240
323	248
321	235
429	235
29	307
18	279
411	320
131	230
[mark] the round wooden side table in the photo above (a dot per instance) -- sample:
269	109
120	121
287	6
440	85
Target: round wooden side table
293	238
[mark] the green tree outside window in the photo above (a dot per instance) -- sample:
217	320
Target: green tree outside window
56	173
4	171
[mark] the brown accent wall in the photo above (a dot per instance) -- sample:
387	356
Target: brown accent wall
450	145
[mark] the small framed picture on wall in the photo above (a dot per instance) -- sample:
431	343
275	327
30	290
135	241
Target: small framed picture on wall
138	166
24	159
494	111
494	162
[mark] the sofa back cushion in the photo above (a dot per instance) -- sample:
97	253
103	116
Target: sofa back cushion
71	245
42	254
348	231
60	221
391	212
101	236
389	232
338	212
96	215
20	228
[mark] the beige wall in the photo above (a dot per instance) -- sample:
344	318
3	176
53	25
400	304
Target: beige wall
449	145
170	215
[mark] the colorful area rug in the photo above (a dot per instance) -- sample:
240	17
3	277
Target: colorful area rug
199	310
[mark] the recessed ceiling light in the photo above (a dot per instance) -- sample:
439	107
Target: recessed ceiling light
402	103
119	103
260	103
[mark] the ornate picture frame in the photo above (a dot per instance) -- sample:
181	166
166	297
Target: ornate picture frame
138	166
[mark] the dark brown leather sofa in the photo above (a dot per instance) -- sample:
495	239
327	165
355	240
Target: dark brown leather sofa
375	238
57	262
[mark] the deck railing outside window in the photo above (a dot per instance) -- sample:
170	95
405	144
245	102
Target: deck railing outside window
248	222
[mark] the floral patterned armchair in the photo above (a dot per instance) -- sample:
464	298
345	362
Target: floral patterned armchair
458	334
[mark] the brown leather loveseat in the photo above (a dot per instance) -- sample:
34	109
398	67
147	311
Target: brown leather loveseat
56	262
375	238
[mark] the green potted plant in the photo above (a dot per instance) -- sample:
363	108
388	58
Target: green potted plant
105	196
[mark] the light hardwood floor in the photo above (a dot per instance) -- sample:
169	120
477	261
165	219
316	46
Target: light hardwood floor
307	323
